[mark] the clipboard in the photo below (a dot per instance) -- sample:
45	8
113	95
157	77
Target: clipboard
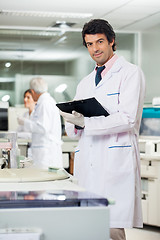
89	107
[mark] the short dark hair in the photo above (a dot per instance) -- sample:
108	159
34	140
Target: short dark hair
95	26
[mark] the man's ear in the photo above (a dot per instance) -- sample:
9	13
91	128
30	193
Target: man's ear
32	91
34	95
111	43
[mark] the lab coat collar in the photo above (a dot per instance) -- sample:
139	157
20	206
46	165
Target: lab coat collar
42	96
115	68
108	65
118	64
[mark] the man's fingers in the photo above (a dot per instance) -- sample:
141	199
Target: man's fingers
77	114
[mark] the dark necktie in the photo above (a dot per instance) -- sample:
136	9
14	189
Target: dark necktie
98	74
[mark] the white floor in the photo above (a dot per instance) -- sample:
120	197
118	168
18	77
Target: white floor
147	233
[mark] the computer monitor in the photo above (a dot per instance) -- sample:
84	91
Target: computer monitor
3	119
4	116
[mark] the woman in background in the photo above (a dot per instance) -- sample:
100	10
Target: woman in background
30	104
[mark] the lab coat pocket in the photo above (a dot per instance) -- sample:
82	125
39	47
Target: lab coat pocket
120	157
112	101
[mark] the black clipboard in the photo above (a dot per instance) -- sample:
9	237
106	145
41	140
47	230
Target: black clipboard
89	107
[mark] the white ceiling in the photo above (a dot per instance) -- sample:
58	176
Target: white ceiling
42	41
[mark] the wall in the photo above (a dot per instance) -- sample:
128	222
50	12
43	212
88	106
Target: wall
13	81
82	66
150	62
58	72
22	83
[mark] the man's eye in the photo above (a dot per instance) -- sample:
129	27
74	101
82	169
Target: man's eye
89	44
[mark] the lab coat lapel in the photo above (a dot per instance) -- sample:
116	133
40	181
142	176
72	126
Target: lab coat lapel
115	68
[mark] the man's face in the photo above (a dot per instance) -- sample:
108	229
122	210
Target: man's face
99	48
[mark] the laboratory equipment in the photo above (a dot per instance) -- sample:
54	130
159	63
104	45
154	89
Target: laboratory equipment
8	149
58	209
59	214
150	124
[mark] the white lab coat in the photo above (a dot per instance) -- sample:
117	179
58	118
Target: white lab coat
107	158
21	131
46	133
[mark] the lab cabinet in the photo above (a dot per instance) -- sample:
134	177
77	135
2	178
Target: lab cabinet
150	178
150	202
145	210
153	202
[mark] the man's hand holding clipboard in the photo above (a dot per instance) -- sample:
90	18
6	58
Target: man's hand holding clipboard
75	111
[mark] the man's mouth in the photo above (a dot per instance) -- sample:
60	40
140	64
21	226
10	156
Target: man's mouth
97	54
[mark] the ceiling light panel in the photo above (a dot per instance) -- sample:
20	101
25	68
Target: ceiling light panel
16	32
45	14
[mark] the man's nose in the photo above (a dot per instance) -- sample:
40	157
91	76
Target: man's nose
95	47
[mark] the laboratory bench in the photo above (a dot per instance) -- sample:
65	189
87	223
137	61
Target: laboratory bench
39	205
34	205
68	149
150	173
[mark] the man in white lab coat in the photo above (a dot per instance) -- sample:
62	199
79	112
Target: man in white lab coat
107	159
45	126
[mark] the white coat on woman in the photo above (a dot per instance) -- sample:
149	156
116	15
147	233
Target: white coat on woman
25	134
107	160
21	131
46	133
